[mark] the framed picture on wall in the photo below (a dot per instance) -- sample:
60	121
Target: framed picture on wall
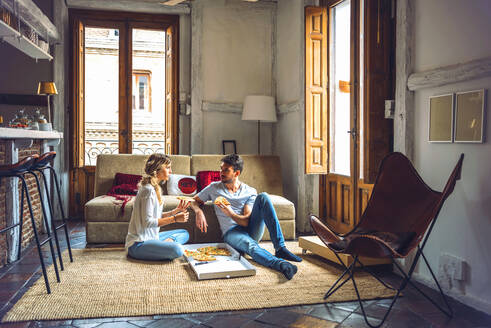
229	147
441	118
469	116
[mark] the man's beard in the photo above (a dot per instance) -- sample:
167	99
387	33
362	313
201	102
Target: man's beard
227	181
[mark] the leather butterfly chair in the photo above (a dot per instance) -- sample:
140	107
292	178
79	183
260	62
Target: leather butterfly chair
399	217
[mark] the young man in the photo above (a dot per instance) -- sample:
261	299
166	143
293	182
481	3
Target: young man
242	222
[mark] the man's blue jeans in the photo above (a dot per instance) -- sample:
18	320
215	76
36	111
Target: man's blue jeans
245	239
158	250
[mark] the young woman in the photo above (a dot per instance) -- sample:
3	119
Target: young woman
144	242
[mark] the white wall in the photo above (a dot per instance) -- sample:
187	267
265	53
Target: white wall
448	32
233	57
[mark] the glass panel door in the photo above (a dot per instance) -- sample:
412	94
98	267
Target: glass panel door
339	185
101	81
148	91
339	86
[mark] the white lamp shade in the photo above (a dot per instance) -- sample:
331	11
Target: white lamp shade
259	108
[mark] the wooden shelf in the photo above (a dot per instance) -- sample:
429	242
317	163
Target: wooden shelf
11	133
11	36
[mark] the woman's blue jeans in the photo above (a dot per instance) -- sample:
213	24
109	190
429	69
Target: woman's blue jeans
245	239
158	250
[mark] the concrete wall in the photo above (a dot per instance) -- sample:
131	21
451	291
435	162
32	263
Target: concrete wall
233	56
290	130
448	32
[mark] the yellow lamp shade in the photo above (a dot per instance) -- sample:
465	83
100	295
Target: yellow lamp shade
47	88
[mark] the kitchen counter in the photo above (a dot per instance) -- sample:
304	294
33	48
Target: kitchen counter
14	133
26	142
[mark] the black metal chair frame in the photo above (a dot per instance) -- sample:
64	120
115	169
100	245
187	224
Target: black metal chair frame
50	207
25	190
406	279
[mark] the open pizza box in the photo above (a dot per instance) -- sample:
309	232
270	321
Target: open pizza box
231	266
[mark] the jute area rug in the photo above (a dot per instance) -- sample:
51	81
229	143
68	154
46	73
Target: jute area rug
104	283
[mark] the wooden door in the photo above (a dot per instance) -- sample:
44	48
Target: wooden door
339	184
358	134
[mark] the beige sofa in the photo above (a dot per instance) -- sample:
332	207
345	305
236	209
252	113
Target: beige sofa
105	223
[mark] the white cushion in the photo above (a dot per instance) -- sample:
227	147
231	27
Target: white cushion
182	185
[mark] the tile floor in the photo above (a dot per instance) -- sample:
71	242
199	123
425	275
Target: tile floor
410	311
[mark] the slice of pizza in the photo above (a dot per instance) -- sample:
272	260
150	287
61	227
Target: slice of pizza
185	198
221	251
213	250
220	200
189	253
204	257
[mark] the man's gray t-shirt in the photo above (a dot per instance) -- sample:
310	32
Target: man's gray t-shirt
245	195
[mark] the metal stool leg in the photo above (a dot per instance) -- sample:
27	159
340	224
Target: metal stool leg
19	224
63	217
53	225
45	217
43	267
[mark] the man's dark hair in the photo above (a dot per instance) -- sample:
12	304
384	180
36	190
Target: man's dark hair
235	161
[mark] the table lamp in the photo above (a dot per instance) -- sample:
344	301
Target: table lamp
47	88
259	108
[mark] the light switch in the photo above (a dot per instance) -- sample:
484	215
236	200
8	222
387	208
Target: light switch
389	109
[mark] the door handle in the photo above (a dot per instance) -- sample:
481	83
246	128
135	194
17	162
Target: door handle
352	132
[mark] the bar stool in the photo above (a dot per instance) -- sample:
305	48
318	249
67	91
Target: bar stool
18	170
42	163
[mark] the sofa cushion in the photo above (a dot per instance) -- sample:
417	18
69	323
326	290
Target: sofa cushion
125	178
285	210
260	172
108	209
181	184
204	178
106	232
110	164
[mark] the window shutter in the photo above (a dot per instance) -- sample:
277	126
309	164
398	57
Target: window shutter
78	97
380	61
316	134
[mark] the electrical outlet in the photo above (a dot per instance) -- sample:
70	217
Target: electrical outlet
451	268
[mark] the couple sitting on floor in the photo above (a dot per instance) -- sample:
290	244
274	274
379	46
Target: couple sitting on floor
242	222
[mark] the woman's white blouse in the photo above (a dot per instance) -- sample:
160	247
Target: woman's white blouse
144	218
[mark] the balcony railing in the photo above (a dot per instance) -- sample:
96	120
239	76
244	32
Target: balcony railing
94	148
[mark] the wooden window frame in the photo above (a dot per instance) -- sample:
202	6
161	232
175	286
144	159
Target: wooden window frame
128	20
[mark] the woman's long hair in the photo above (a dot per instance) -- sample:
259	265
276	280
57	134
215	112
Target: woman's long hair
153	164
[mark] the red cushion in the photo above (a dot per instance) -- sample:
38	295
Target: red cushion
124	178
123	189
204	178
